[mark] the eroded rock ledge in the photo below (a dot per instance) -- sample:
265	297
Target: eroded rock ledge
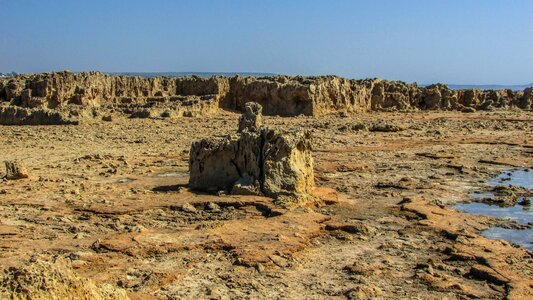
68	98
254	161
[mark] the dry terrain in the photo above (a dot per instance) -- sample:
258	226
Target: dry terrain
111	200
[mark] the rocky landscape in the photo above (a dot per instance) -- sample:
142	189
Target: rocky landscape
71	98
119	206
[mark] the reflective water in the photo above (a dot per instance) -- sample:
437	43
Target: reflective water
522	178
521	214
518	213
523	238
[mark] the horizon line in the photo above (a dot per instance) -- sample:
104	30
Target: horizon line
527	84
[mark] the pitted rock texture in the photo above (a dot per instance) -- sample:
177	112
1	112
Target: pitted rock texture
287	163
16	170
218	163
252	119
53	280
255	160
68	98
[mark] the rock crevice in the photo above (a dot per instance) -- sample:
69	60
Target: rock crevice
255	160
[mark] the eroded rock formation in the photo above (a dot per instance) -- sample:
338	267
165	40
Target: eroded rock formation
67	98
255	160
53	280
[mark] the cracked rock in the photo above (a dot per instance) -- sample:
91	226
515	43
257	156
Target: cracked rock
255	160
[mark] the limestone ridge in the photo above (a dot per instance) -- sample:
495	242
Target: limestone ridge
254	161
68	98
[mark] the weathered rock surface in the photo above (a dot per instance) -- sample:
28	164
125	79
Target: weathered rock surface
67	98
252	119
15	170
53	280
217	163
255	160
287	163
109	196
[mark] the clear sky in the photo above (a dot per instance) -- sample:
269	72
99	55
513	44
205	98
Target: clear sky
452	41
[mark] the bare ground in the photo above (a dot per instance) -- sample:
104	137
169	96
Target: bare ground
112	198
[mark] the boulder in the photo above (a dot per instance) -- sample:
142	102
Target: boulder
252	118
287	163
217	163
255	160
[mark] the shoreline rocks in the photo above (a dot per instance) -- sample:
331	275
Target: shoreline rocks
69	98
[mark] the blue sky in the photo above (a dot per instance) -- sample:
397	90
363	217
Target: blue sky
452	41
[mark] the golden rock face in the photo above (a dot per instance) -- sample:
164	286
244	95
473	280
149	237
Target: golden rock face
255	160
68	98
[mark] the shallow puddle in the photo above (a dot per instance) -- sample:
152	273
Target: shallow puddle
523	178
518	213
523	238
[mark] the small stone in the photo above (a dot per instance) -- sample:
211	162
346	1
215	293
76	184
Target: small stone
107	118
279	261
212	207
468	109
166	114
141	114
386	127
187	207
139	228
343	128
15	170
74	256
359	127
343	114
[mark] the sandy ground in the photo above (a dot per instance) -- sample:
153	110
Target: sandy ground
112	198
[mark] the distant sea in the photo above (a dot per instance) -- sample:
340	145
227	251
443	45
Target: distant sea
487	86
201	74
231	74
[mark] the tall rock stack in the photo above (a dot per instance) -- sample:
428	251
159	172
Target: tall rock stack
255	160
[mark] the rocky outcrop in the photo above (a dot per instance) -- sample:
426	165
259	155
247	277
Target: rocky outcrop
16	115
255	160
68	98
